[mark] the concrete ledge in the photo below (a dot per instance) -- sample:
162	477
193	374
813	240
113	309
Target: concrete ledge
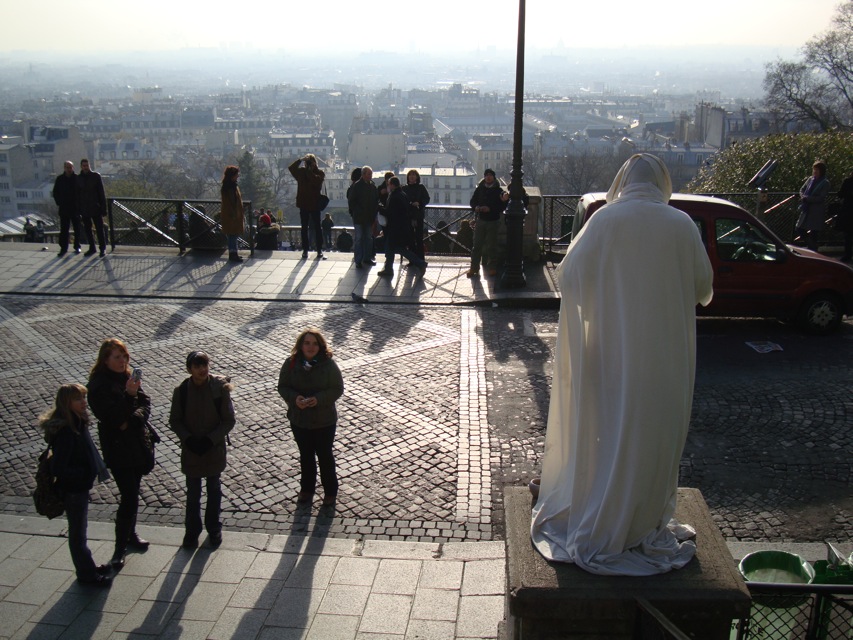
554	600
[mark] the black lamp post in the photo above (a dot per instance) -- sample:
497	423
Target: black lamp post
513	275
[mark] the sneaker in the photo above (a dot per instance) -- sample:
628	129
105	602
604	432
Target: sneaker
76	250
386	273
370	263
90	252
320	256
473	273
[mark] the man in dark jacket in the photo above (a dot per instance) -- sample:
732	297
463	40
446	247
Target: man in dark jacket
201	416
488	202
65	196
363	201
92	205
398	231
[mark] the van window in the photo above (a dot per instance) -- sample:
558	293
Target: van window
740	241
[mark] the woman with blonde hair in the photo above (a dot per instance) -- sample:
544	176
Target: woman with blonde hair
310	383
127	442
75	464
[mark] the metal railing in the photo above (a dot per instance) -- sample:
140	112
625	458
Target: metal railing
794	611
182	224
195	224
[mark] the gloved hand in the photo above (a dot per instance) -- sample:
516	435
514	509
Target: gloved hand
199	445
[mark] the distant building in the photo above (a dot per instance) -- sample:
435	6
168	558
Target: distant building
294	145
376	142
492	151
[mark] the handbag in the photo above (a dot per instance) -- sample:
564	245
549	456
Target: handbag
323	199
149	438
47	497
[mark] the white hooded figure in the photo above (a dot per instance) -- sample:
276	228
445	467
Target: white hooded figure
623	382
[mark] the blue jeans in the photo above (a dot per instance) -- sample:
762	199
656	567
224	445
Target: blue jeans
316	443
232	243
363	247
77	512
192	521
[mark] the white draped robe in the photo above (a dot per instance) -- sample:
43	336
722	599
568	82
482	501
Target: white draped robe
622	389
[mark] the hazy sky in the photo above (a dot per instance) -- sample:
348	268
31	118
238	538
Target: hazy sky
431	26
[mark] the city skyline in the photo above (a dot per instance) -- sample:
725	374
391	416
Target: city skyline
343	27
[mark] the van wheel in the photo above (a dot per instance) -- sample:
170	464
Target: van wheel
820	314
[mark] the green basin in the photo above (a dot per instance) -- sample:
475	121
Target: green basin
778	567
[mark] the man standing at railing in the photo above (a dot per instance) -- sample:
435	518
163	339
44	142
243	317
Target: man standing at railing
363	198
92	206
65	196
488	202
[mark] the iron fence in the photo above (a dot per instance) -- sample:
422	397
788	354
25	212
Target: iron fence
181	224
448	229
793	611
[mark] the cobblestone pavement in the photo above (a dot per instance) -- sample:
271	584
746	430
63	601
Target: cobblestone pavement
443	406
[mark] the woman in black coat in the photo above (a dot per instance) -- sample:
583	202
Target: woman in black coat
75	464
122	409
419	199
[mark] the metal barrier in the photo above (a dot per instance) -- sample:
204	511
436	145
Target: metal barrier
195	223
651	624
793	611
182	224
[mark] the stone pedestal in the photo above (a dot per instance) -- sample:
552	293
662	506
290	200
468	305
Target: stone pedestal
549	600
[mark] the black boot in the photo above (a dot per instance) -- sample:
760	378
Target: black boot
123	528
135	542
233	256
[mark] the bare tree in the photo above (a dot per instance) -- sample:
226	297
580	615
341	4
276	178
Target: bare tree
818	90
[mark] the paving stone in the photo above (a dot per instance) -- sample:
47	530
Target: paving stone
386	613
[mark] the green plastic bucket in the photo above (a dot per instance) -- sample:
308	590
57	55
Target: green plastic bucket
779	567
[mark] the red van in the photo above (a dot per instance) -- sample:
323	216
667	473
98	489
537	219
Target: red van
755	273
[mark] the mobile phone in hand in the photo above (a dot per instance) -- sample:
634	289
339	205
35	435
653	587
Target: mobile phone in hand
137	374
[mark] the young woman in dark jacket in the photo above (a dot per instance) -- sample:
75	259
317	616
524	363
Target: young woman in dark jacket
419	199
75	464
122	409
310	383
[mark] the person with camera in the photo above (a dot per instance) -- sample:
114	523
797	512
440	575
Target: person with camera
127	441
488	202
309	184
202	415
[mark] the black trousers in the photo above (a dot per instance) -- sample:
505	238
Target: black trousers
315	446
66	221
310	221
192	522
99	228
